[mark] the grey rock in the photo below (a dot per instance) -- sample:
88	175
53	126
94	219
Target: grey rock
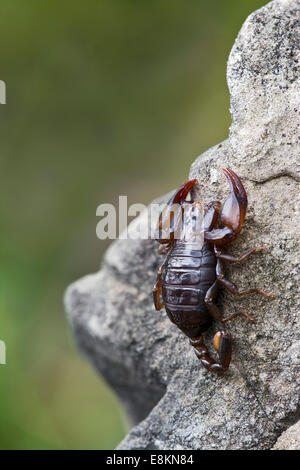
289	439
172	400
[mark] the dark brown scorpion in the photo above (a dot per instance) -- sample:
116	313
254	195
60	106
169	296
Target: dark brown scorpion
192	273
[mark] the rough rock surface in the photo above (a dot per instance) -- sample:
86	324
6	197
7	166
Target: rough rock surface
290	439
174	401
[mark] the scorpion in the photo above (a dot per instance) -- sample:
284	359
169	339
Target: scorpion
192	272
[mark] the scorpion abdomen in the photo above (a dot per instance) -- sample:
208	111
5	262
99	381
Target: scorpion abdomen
189	272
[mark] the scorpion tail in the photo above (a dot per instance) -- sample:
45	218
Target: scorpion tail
222	344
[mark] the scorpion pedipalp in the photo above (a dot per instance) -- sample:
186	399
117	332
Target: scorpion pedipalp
232	213
170	218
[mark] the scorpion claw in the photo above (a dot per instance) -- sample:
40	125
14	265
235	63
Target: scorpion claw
236	185
182	192
232	214
234	209
170	218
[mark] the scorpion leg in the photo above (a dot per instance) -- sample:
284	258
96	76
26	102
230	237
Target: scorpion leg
232	214
233	289
212	292
215	311
157	290
239	259
164	249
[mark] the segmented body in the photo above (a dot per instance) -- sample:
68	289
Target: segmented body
189	271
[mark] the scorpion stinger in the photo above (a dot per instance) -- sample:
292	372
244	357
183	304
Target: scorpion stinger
232	214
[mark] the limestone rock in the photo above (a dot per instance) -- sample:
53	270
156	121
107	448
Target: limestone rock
174	401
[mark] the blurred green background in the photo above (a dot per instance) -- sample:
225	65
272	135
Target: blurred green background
103	98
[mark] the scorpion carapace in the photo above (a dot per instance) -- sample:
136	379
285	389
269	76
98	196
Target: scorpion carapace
192	273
